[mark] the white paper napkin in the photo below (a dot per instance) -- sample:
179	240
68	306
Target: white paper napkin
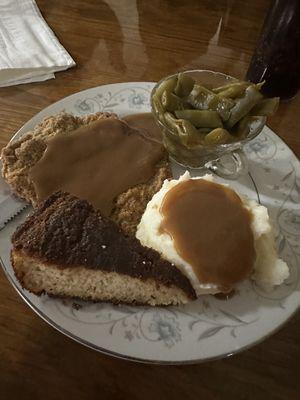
29	50
10	205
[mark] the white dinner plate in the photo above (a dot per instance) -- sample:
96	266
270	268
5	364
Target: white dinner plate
208	328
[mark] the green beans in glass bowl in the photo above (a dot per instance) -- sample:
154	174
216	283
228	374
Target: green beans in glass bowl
205	114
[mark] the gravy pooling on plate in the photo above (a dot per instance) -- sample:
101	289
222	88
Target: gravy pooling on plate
211	230
146	124
98	161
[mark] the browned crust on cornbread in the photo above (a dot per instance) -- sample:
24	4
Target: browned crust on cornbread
68	232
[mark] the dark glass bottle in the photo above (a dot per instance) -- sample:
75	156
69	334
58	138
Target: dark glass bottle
277	56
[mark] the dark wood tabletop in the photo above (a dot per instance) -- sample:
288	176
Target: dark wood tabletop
122	41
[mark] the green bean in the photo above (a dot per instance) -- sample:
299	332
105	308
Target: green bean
168	85
223	106
218	136
201	118
266	107
171	102
158	106
230	85
259	85
242	128
187	132
200	97
185	129
235	90
184	85
243	105
219	89
203	99
171	121
197	114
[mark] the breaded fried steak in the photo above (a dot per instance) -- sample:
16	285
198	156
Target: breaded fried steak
22	157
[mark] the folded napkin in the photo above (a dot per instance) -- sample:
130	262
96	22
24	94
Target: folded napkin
29	50
10	205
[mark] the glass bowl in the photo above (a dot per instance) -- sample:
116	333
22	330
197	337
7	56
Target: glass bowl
198	156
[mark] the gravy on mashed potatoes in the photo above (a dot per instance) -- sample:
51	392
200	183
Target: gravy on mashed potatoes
216	242
211	230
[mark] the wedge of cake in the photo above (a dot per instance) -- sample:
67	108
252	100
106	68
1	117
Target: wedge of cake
67	249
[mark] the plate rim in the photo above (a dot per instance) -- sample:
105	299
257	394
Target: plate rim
120	356
116	84
37	115
22	292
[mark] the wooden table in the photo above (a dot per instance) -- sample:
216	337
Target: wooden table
118	41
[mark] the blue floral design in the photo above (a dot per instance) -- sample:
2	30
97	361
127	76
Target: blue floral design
166	327
137	100
263	147
258	146
290	221
84	107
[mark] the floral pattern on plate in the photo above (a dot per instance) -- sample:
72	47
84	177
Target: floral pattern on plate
209	327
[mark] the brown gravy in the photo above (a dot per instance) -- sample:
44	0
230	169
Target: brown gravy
146	124
211	231
96	162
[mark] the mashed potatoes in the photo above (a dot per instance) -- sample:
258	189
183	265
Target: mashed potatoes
268	269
